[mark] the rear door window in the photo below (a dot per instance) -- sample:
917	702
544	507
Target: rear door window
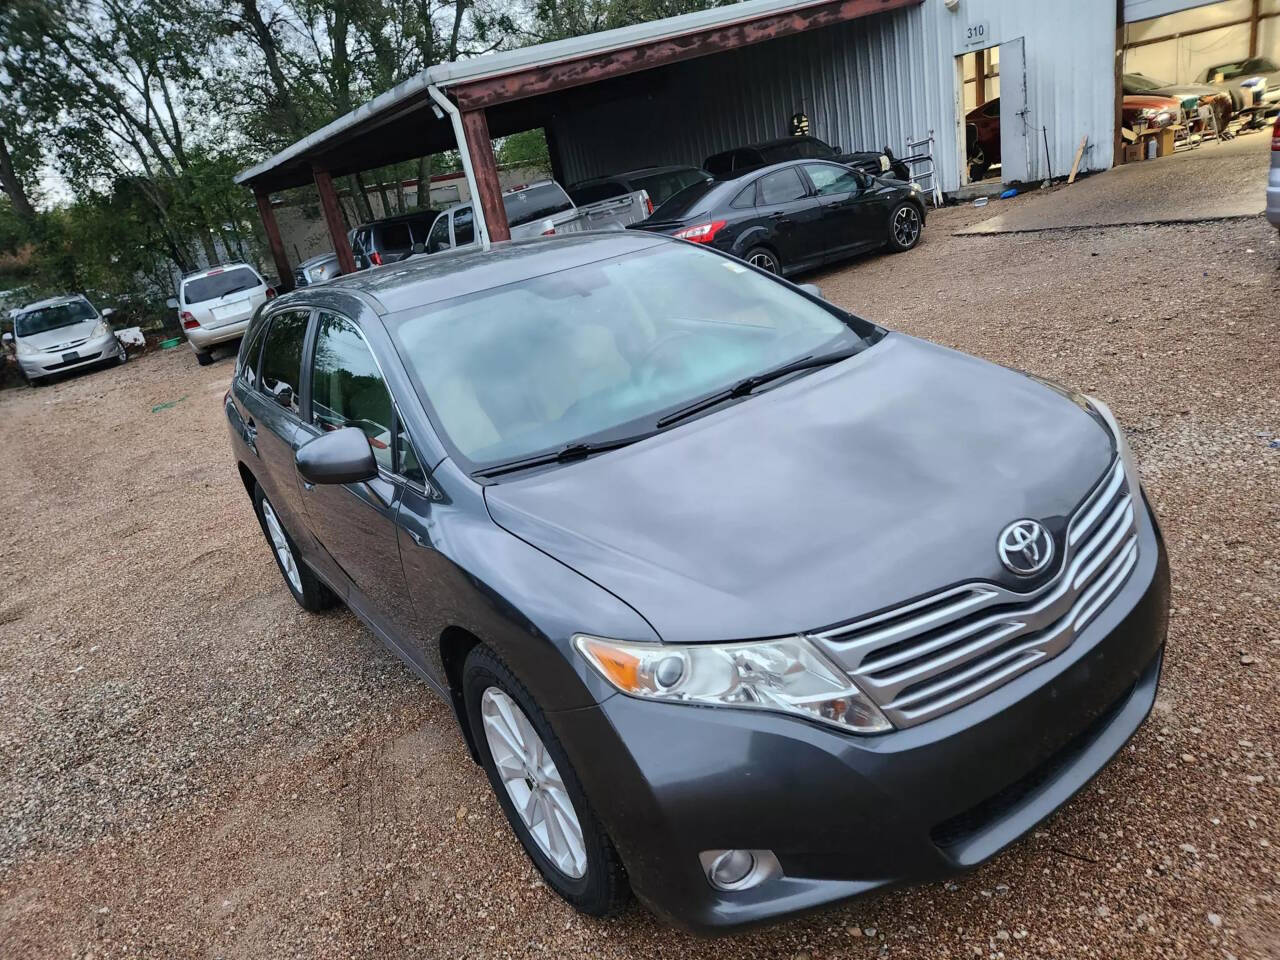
280	377
215	285
347	389
781	186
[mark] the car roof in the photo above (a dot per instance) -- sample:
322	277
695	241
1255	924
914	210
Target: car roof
397	218
637	172
52	302
421	280
764	144
506	193
219	268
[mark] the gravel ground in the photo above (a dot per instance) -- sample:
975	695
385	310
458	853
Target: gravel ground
190	766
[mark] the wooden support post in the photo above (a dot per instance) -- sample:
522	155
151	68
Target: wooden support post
333	219
1253	27
274	241
476	127
980	78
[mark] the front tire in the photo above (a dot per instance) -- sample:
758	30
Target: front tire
763	258
312	595
538	789
905	226
204	358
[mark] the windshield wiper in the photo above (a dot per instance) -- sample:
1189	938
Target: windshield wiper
746	385
566	454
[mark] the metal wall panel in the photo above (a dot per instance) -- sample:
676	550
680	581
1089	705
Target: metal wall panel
878	81
1146	9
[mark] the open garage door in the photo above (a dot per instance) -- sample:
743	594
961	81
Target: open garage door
1014	155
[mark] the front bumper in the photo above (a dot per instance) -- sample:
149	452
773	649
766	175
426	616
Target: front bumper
203	338
846	814
36	365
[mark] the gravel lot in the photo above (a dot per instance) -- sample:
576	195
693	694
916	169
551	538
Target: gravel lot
190	766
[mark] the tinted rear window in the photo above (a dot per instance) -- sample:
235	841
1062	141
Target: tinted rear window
220	284
720	163
536	202
802	148
394	236
661	187
688	201
595	192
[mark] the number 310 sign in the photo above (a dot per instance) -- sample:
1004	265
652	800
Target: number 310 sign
977	34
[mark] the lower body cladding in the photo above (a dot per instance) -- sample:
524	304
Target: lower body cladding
103	350
829	815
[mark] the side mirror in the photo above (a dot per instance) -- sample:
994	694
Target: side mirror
812	289
7	338
342	456
172	303
107	312
283	394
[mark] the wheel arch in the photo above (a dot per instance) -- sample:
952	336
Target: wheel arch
455	644
247	478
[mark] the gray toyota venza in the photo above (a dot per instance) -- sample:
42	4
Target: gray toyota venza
743	603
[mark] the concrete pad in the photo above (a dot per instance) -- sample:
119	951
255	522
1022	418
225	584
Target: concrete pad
1214	181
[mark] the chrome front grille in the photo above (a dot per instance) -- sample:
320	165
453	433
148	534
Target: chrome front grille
930	656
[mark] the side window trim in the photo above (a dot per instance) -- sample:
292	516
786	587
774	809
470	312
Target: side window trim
313	334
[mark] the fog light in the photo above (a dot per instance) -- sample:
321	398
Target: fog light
731	868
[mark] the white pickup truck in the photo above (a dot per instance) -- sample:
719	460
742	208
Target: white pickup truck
539	209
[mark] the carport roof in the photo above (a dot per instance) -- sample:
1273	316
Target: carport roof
399	125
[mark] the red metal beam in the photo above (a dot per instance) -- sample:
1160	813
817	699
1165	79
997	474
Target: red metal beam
645	56
475	126
333	220
278	254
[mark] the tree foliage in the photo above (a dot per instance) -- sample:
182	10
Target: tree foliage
145	109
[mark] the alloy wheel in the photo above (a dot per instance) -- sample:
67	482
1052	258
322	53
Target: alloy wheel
906	225
534	784
764	261
281	544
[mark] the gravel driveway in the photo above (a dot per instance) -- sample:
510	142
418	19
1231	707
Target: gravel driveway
190	766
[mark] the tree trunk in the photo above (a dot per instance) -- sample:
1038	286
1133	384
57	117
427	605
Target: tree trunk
12	186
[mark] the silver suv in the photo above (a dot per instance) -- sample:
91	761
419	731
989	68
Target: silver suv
62	333
1273	181
215	305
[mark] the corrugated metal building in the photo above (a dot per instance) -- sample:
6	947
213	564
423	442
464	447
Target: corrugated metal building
877	81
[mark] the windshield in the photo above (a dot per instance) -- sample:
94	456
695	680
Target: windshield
220	285
1137	83
661	187
534	203
601	349
51	318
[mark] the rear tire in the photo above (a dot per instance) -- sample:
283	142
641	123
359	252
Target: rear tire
312	595
905	226
124	355
765	259
501	711
204	358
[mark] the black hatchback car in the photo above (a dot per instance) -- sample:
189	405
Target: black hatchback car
742	602
794	216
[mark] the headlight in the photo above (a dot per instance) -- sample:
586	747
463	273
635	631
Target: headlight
786	675
24	349
1126	455
101	330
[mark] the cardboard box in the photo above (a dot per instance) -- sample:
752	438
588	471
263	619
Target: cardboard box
1164	146
1133	152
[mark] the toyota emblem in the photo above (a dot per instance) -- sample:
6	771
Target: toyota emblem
1025	547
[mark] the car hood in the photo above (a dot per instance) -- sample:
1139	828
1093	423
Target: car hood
857	487
52	339
1182	90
